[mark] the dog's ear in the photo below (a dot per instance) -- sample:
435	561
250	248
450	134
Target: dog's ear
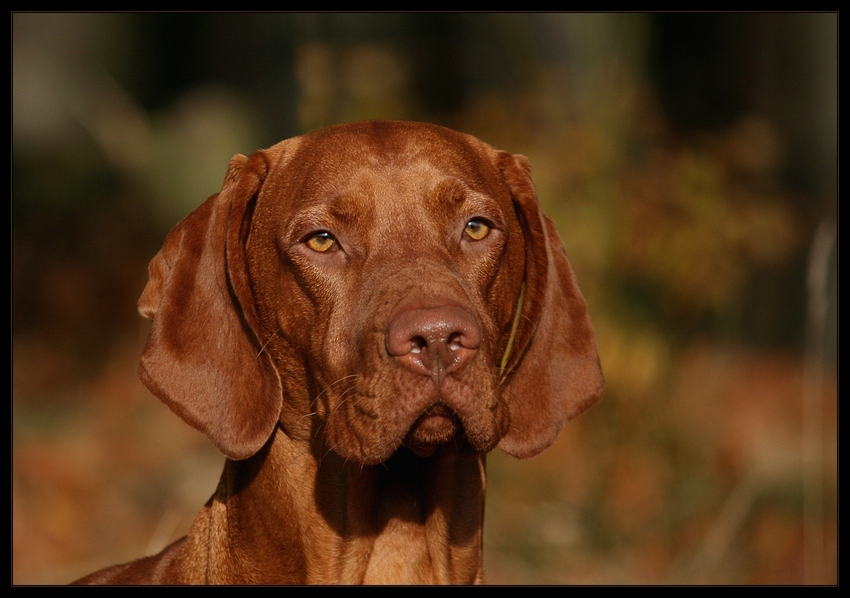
203	357
553	372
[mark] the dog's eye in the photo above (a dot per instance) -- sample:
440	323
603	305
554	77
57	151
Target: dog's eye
322	241
477	229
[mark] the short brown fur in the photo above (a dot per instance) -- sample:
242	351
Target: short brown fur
356	391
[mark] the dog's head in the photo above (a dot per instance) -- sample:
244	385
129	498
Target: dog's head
379	283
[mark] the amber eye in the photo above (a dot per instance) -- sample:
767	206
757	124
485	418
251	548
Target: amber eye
321	242
477	229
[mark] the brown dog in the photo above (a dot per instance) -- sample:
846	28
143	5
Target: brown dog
355	320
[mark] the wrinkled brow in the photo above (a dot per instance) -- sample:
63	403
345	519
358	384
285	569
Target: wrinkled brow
453	196
333	211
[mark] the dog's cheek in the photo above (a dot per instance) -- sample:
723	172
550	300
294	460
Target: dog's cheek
356	433
338	337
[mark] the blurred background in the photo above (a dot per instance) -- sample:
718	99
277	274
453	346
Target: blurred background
689	160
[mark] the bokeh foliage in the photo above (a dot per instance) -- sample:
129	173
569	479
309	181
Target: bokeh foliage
689	161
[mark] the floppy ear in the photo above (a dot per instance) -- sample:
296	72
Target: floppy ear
203	358
553	373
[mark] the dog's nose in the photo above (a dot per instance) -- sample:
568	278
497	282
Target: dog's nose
433	341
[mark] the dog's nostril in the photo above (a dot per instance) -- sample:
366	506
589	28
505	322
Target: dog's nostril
433	341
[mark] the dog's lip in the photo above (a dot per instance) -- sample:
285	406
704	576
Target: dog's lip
436	426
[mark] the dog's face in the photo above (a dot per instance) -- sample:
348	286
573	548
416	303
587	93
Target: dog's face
380	284
392	264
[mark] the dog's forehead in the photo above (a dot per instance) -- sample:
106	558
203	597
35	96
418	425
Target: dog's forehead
391	153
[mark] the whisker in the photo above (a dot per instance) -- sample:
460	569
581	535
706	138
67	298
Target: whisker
345	396
332	384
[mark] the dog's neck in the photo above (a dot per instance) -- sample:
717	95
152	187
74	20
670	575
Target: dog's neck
411	520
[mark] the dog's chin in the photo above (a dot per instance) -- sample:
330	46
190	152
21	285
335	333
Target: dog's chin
439	426
437	429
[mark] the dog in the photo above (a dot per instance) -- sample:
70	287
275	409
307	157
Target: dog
355	320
